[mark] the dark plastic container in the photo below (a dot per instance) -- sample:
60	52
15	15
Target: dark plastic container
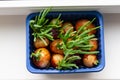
71	16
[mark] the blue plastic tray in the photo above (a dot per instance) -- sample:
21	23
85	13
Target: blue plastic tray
71	16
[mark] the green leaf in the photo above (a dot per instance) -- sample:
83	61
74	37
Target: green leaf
64	65
67	35
87	31
50	37
72	59
96	62
87	38
85	25
36	55
42	16
70	44
37	26
45	22
69	66
43	40
84	46
85	52
82	27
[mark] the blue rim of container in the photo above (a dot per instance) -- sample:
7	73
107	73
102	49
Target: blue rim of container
55	71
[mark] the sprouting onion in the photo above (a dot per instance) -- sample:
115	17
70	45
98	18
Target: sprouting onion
41	28
78	44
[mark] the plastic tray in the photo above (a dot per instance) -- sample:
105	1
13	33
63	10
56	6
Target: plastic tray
71	16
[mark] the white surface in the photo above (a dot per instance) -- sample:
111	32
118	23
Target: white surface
35	3
13	51
23	7
27	10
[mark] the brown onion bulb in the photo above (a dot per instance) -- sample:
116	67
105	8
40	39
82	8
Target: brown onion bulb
41	57
54	46
89	60
40	44
56	58
82	22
